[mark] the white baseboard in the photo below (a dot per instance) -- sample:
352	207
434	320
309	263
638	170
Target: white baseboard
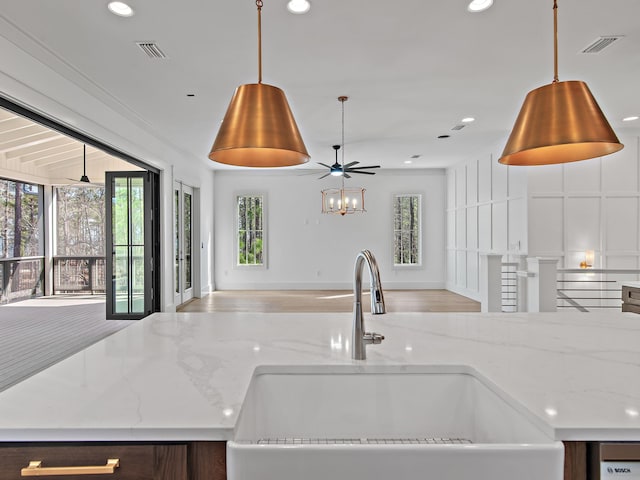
328	286
170	308
465	292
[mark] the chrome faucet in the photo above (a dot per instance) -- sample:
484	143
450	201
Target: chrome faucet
360	338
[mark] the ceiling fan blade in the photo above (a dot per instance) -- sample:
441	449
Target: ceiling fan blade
325	175
350	164
74	182
347	176
363	173
360	168
323	164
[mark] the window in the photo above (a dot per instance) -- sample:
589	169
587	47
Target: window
406	214
250	239
20	212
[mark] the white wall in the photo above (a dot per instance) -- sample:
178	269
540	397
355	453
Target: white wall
486	213
588	205
310	250
41	82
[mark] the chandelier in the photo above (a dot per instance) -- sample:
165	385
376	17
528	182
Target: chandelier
343	200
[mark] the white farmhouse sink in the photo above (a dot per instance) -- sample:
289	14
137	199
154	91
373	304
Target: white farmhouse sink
369	423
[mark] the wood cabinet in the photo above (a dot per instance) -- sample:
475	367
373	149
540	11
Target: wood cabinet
172	461
630	299
575	461
136	461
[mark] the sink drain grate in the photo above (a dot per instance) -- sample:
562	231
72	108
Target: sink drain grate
363	441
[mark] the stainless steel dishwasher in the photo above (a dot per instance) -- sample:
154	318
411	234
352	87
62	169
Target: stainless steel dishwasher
614	461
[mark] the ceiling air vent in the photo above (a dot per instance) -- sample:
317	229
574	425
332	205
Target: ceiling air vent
601	43
458	127
151	49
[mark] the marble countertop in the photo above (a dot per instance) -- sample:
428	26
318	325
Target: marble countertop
184	376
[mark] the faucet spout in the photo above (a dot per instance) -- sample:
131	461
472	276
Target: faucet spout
360	338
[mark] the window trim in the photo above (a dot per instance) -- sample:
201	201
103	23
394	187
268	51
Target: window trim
265	243
420	263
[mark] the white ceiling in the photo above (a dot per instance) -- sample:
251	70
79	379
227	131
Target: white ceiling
412	68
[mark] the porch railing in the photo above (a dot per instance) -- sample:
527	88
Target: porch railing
592	289
21	278
509	286
78	274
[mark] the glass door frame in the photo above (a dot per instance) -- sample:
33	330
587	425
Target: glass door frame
182	294
151	248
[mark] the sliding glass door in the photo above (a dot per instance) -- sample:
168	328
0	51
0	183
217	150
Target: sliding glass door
131	246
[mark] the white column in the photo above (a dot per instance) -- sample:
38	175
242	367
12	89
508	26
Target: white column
49	239
491	282
542	285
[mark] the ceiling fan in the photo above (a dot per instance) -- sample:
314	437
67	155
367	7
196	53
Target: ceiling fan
338	170
84	178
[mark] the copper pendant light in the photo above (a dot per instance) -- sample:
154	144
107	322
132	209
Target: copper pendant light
559	123
258	129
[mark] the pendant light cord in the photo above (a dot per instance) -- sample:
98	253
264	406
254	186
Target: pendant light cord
342	100
555	41
259	5
84	160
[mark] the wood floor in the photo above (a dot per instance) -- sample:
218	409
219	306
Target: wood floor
327	301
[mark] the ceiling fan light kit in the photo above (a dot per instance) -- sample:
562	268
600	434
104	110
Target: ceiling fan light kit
559	123
258	129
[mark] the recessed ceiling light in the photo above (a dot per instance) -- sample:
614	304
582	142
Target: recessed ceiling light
408	162
120	8
468	120
298	6
630	119
479	5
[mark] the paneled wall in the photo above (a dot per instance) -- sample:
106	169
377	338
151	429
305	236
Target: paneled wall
548	211
486	213
588	205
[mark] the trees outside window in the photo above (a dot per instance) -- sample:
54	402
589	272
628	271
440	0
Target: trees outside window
20	211
250	232
80	221
407	230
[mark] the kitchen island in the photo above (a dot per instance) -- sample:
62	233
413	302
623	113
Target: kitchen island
182	377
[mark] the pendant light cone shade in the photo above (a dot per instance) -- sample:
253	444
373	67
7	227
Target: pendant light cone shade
559	123
259	130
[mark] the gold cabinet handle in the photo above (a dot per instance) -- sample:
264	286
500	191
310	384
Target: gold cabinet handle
35	469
